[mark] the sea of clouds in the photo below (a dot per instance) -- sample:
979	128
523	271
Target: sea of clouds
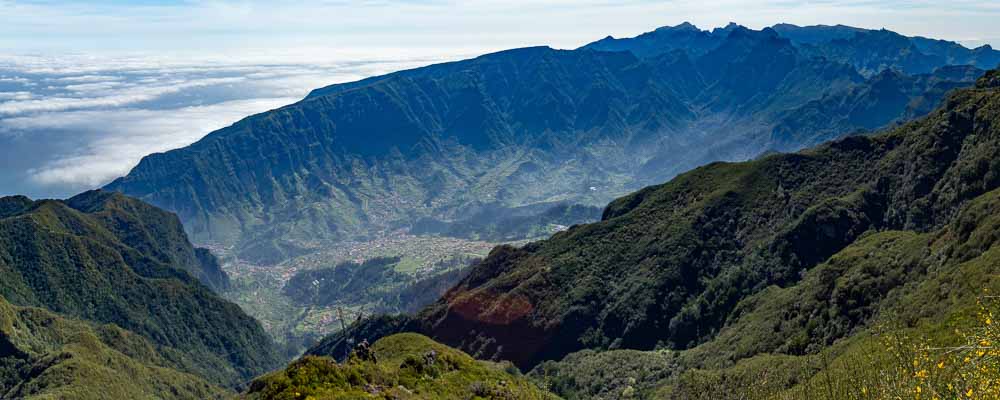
75	122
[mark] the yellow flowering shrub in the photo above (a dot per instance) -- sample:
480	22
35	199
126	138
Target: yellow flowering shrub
897	366
968	371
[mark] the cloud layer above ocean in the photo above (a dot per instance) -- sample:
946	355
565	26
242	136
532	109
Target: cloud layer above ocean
73	123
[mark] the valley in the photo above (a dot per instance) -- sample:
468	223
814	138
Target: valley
874	274
775	213
259	289
485	166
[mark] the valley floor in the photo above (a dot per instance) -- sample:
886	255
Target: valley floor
258	289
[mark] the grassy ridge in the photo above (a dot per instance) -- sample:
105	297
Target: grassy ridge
405	366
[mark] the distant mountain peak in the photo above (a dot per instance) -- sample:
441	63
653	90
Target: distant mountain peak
730	27
11	205
96	200
683	26
742	32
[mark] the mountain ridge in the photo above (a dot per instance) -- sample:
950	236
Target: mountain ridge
110	259
503	130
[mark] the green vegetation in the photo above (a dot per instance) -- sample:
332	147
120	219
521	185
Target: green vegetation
263	291
107	258
618	374
670	265
346	282
894	314
923	325
507	225
375	282
403	366
46	356
438	149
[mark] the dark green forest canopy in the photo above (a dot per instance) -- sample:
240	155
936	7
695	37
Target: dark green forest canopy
108	258
44	355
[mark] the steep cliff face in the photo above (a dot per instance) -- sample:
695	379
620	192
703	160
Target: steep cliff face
668	264
108	258
509	128
521	127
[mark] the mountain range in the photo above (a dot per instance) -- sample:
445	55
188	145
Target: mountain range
669	264
787	213
777	277
534	127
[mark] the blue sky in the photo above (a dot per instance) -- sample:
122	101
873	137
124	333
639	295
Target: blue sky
443	25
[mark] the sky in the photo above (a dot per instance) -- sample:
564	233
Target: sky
380	25
88	88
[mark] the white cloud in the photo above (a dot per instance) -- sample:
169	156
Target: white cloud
95	117
15	95
131	95
89	78
93	86
124	136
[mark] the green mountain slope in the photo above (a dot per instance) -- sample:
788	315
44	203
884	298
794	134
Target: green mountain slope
104	257
46	356
885	99
521	128
404	366
838	326
839	323
670	265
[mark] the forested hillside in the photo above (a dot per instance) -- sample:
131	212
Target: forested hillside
46	356
668	265
110	259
